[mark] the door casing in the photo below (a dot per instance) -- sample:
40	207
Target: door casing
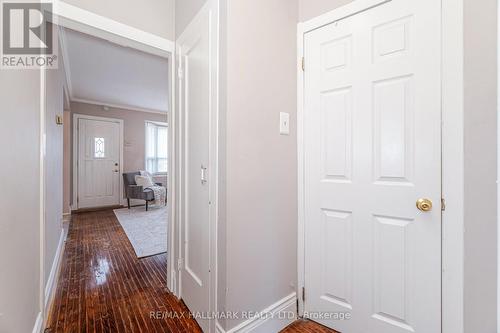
452	152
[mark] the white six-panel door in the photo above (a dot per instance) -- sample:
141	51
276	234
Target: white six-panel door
98	163
372	148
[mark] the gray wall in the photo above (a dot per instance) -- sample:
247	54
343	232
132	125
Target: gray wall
261	165
185	11
153	16
309	9
133	130
480	208
19	200
53	167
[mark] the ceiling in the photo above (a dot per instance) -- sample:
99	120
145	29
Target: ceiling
100	72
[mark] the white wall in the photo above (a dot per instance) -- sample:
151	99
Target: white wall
480	208
19	200
153	16
260	164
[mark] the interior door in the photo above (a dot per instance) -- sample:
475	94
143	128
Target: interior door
372	131
98	163
196	46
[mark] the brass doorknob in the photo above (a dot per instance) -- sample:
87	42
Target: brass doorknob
424	205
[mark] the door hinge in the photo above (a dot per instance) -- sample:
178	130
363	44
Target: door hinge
443	205
180	264
303	294
180	72
303	64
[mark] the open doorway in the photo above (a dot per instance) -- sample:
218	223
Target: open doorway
119	102
115	173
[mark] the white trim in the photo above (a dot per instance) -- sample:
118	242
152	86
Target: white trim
269	319
453	166
300	167
498	174
66	217
172	177
38	324
43	150
218	328
78	19
50	287
452	153
117	106
76	118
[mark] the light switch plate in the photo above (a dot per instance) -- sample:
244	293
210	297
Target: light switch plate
284	123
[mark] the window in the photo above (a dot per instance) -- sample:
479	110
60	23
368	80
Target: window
99	151
156	148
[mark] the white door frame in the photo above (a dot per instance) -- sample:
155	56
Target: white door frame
75	18
452	152
212	6
76	153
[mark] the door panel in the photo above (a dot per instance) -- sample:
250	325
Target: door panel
196	47
98	163
372	141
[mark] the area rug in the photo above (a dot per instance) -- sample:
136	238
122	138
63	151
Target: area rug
147	231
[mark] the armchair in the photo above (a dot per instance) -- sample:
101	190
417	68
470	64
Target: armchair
133	191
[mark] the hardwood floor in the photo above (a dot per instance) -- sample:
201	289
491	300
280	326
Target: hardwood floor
306	326
103	287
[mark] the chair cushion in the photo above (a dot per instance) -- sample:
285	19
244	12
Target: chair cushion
129	178
144	181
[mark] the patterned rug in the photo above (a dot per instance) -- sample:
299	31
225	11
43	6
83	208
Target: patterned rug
147	231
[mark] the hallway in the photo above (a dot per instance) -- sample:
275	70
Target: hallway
103	287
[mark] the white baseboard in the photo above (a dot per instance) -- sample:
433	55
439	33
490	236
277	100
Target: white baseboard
50	287
38	324
269	320
66	217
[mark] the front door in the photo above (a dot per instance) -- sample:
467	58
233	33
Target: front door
372	131
98	163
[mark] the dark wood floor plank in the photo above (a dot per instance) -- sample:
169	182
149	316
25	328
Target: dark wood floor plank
306	326
103	287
